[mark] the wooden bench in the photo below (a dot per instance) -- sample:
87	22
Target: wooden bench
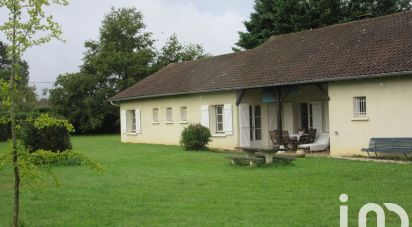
389	146
252	161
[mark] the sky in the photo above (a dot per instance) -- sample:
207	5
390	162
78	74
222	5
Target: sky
212	23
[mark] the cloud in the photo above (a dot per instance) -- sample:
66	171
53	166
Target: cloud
212	23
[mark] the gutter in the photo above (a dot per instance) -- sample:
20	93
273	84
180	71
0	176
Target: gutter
368	76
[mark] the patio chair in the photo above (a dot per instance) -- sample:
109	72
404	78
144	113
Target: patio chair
274	136
289	143
321	143
309	138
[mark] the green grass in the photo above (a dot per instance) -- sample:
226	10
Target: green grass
150	185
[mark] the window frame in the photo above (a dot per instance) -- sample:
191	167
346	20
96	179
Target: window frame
217	114
360	107
155	115
169	110
134	121
183	114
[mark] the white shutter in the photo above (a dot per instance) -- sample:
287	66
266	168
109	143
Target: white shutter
204	111
228	119
317	116
244	125
326	117
123	122
138	121
273	118
288	117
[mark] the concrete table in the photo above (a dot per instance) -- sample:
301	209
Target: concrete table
269	153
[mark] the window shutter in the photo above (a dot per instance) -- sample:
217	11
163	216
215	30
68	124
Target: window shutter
205	116
228	119
317	116
273	118
123	122
244	125
288	123
138	121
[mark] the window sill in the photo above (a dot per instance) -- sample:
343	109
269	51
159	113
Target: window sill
131	133
360	118
184	122
219	135
169	122
155	123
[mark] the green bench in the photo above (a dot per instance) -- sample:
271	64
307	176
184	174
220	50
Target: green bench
389	146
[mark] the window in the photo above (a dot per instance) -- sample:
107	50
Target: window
133	116
219	119
360	106
169	116
155	115
183	113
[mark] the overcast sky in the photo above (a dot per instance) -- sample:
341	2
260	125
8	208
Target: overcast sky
212	23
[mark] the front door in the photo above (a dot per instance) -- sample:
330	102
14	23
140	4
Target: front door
255	121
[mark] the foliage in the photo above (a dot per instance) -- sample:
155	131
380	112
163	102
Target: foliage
47	133
195	137
276	17
28	25
26	92
123	55
174	51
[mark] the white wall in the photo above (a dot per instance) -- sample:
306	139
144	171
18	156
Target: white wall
389	112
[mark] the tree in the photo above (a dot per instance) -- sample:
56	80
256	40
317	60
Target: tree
276	17
28	25
26	92
174	51
123	55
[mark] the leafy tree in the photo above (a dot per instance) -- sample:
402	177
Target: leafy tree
174	51
28	25
276	17
123	55
83	102
26	93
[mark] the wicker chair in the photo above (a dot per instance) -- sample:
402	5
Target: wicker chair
289	143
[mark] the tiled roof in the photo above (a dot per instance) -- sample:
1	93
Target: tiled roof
351	50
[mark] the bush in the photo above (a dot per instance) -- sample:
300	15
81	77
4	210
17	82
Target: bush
47	133
195	137
42	157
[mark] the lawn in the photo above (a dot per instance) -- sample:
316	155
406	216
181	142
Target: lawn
150	185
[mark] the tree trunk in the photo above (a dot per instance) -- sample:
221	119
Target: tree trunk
16	206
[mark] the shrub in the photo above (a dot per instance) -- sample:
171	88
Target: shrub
42	157
195	137
47	133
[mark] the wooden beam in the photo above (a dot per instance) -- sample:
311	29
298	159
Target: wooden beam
321	89
240	97
279	114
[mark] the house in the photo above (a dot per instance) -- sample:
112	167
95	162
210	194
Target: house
352	81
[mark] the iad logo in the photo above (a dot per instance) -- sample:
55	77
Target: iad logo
372	207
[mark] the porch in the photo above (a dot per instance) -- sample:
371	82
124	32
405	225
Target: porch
291	109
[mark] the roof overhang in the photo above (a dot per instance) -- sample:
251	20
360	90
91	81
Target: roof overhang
370	76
